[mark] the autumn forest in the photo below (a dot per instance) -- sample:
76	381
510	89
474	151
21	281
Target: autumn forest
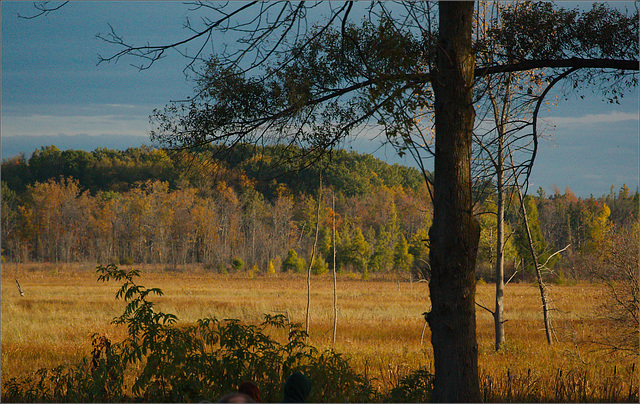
252	209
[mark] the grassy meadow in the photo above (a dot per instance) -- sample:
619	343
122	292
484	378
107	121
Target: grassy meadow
379	325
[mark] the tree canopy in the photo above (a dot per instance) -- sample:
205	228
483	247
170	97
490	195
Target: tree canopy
337	77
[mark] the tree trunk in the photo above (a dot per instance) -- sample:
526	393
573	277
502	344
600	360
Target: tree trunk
498	314
313	255
501	113
534	257
455	232
335	279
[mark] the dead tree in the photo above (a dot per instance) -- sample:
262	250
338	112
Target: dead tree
19	288
313	255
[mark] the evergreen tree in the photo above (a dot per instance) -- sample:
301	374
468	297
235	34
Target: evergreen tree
402	259
293	263
324	242
319	266
360	251
419	249
382	258
344	248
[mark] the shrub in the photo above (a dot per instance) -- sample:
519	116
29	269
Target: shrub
270	268
621	299
416	387
319	266
237	264
196	362
293	263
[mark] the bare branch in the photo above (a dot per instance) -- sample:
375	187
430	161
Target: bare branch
485	307
154	52
43	9
554	254
511	277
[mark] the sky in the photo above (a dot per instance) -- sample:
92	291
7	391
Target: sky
54	92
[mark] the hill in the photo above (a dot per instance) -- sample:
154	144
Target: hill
349	173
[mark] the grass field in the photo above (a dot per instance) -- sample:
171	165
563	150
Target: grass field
379	324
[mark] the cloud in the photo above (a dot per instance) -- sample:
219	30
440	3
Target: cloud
591	119
127	106
92	125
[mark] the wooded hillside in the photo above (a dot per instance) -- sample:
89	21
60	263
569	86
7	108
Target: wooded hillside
251	208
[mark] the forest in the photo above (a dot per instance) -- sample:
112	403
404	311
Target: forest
252	209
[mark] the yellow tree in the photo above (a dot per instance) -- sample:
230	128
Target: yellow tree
207	225
183	228
61	214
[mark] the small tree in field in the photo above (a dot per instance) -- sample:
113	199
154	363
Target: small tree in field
319	266
293	263
237	264
402	259
271	269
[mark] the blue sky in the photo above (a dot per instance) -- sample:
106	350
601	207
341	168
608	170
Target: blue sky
54	93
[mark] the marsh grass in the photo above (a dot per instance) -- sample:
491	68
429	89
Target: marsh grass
379	326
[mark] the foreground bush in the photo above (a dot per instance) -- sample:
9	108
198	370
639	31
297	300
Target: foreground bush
197	362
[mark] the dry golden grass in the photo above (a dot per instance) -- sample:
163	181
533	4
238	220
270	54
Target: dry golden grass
379	323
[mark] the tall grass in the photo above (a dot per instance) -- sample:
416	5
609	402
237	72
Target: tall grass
379	327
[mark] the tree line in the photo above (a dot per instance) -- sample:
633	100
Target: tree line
245	209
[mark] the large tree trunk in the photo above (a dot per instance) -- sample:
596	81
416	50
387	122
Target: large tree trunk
455	232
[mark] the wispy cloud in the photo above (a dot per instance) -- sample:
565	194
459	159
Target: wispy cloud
127	106
42	124
591	119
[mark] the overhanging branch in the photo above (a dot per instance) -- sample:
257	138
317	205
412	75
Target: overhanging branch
618	64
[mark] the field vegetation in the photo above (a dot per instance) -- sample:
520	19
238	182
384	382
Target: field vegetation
380	327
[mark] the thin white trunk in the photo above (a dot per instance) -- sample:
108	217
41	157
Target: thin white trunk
313	254
499	311
335	280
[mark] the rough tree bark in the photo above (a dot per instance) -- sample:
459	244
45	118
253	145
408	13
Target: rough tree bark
455	232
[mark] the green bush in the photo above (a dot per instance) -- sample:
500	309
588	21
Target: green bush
237	264
319	266
293	263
